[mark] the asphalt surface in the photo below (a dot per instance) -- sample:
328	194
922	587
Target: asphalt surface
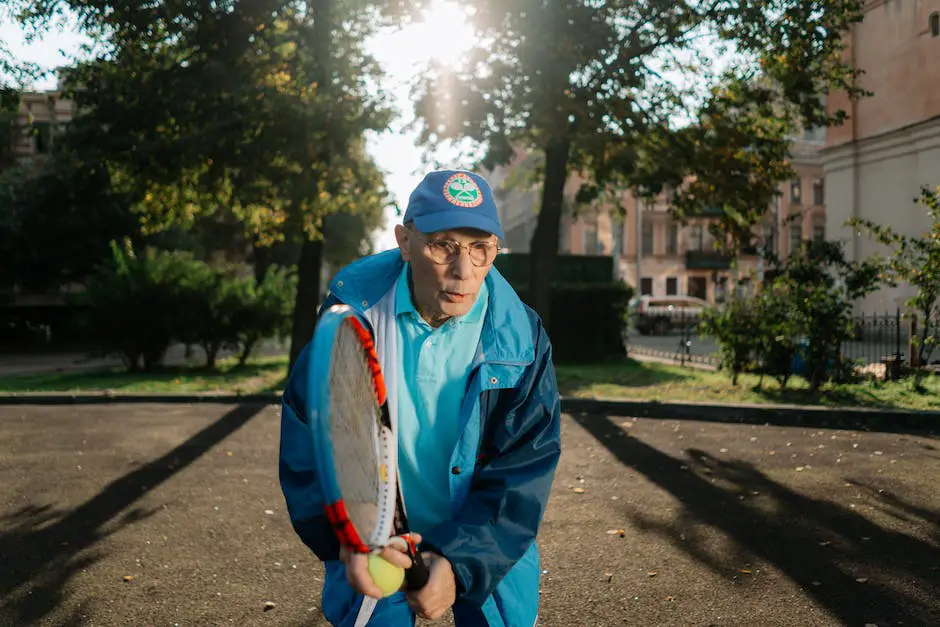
172	515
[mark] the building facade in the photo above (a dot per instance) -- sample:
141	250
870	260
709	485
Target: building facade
41	116
654	253
876	163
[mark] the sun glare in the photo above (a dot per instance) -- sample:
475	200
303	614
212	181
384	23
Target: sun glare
445	32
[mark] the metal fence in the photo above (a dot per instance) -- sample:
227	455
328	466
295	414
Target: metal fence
675	337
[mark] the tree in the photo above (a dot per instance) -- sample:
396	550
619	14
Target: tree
601	88
61	220
250	107
916	260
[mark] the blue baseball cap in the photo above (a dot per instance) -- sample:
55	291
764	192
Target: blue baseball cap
453	199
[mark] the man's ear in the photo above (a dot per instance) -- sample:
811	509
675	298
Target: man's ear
404	242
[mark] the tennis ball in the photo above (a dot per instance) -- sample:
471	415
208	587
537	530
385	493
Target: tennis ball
386	575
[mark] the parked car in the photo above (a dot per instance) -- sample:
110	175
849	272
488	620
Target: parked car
658	315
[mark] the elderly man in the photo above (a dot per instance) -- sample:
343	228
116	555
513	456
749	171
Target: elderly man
478	417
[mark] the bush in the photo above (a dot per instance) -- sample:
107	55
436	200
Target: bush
587	321
135	304
736	327
140	305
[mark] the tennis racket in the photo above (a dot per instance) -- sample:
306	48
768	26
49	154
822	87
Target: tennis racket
356	449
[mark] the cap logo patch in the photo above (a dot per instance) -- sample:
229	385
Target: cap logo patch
461	190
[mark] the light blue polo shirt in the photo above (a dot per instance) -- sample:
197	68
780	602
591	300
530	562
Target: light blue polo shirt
432	378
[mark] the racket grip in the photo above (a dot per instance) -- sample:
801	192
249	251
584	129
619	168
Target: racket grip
417	576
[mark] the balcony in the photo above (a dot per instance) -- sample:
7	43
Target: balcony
707	260
706	212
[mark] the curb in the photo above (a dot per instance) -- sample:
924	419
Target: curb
863	419
754	414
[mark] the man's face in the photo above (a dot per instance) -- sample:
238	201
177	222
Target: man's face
444	268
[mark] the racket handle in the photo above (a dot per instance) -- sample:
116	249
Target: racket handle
417	576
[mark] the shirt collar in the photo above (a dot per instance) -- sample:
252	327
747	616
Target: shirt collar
404	304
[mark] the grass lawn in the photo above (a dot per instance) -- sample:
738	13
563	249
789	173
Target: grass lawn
661	382
627	379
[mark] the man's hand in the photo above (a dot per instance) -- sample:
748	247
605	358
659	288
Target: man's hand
440	593
357	569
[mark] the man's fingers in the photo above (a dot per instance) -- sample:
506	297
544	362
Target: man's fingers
394	556
357	574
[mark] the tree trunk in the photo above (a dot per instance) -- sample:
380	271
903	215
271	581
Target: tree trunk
311	253
544	245
308	296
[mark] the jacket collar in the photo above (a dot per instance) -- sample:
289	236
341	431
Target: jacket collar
507	329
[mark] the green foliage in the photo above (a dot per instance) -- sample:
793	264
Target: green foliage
136	302
916	260
798	323
736	327
603	89
262	310
59	221
139	305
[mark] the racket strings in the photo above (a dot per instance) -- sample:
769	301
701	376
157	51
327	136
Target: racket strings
354	421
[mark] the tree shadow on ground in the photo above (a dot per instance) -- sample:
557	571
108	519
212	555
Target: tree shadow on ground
44	548
860	572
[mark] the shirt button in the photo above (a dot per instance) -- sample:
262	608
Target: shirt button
455	470
493	380
365	303
339	284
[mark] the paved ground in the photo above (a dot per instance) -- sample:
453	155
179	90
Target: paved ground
171	515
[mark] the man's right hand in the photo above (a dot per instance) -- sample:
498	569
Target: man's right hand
357	569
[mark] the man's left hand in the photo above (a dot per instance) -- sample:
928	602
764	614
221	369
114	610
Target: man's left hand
439	594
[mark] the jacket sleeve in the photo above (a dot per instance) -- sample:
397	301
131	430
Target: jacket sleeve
503	511
296	467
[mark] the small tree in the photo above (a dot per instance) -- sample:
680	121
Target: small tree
263	309
736	329
916	260
134	304
817	287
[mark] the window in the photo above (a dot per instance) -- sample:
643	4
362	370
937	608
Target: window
672	286
770	246
590	243
672	239
698	287
616	234
819	232
697	237
646	286
934	24
796	191
796	237
43	134
648	238
819	196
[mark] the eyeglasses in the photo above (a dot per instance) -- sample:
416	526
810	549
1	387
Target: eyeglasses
446	251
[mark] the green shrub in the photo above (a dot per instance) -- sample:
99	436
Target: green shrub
134	304
263	310
588	321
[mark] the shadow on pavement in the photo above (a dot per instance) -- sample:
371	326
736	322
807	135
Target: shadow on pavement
41	547
821	546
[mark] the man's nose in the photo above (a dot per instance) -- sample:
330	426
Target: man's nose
462	267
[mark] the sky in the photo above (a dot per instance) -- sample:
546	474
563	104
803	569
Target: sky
443	35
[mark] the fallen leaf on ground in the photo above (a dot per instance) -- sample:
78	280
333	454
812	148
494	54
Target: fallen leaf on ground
578	490
614	532
862	579
128	578
669	598
825	543
269	512
268	605
745	571
651	573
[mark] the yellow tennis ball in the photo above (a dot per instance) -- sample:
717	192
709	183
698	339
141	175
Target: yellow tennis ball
386	575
